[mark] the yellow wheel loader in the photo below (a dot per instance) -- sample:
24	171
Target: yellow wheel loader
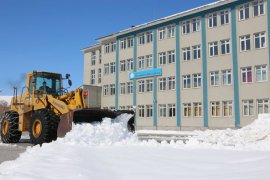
47	110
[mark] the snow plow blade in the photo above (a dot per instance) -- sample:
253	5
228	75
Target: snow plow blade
90	116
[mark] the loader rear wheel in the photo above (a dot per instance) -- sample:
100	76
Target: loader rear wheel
10	128
43	126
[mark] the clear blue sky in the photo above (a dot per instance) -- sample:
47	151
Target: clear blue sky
48	34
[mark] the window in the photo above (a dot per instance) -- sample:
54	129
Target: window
213	49
141	39
130	108
263	106
122	88
258	6
171	57
224	17
112	67
186	54
215	109
149	36
214	78
141	86
259	40
197	80
246	75
162	58
93	76
123	43
113	46
225	47
162	110
197	109
186	81
196	52
244	12
122	107
227	108
187	109
171	108
106	69
149	85
162	84
123	65
196	24
212	20
261	73
107	48
186	27
112	89
130	64
129	87
130	42
112	108
141	111
171	31
245	43
141	62
162	33
99	75
227	77
171	83
149	61
248	107
105	90
149	110
93	58
100	56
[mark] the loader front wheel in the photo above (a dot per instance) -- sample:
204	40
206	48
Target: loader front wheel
43	126
10	128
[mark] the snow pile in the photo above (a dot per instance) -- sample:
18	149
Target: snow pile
255	136
106	133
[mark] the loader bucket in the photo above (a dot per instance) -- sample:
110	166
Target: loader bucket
90	116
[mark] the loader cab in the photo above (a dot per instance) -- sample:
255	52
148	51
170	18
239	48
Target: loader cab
45	83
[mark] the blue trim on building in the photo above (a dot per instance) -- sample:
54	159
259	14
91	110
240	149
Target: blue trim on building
134	70
116	74
205	84
178	78
268	34
155	78
235	68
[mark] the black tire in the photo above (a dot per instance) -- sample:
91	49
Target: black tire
10	128
48	130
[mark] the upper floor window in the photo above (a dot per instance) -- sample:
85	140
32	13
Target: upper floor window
149	36
212	20
244	12
213	49
105	90
171	83
246	75
141	86
123	65
141	39
261	73
149	85
149	61
171	31
130	42
225	46
186	54
196	24
197	80
107	48
196	52
258	6
245	43
129	87
112	89
162	84
186	81
122	88
123	43
141	62
113	46
226	77
214	78
162	33
186	27
99	75
162	58
260	40
224	17
171	56
112	67
106	68
93	58
93	77
130	64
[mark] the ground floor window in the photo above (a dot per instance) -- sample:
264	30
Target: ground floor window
187	109
227	108
197	109
149	110
248	108
171	108
263	106
215	109
162	110
141	111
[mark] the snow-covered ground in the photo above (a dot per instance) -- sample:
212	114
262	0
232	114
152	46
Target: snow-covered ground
109	151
